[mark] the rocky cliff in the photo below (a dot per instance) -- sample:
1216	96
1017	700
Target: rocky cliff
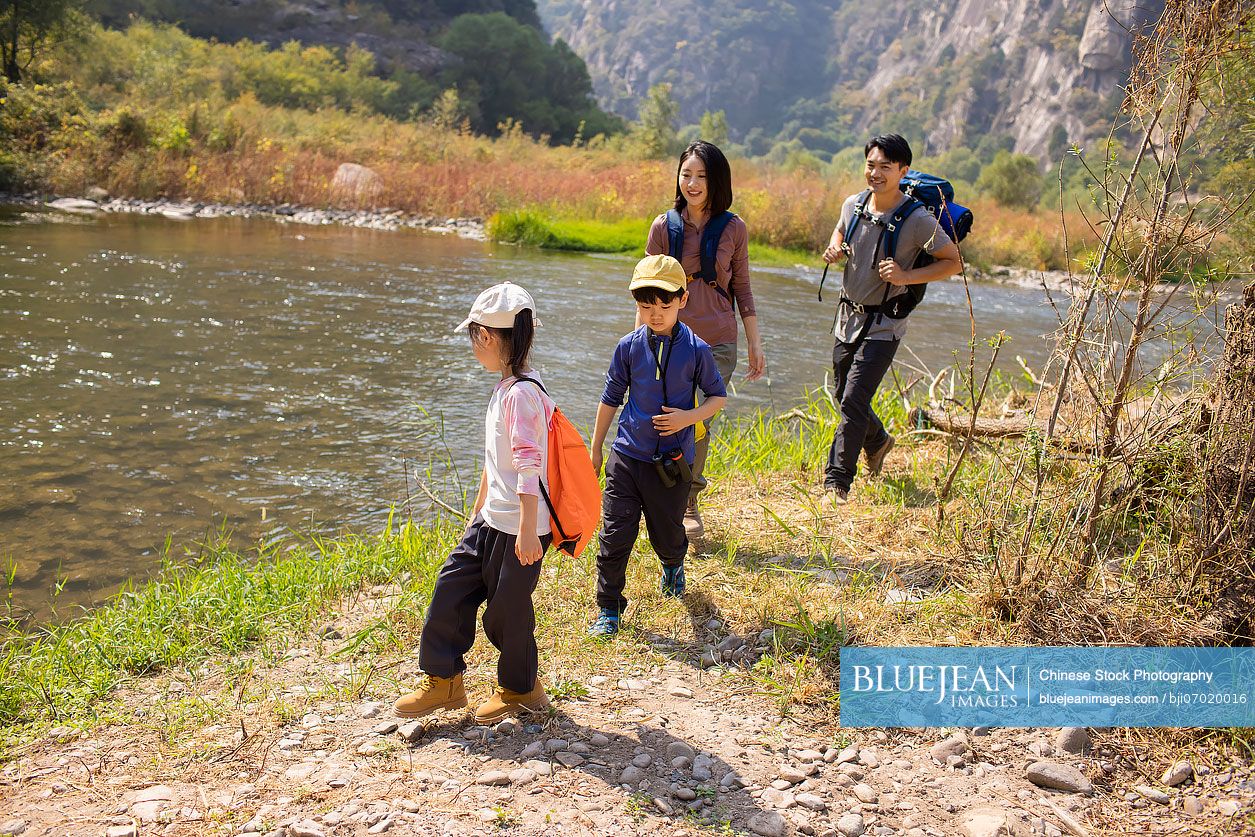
1037	74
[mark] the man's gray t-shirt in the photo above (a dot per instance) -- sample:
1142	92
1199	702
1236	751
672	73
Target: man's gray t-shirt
863	284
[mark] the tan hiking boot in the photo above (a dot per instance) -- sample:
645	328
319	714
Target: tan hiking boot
434	693
876	460
693	527
504	703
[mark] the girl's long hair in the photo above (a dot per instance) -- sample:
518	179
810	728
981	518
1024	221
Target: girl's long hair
718	177
518	338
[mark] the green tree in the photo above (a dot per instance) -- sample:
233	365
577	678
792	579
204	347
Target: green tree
31	26
714	128
1012	180
655	132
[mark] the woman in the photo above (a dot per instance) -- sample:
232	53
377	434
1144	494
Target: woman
719	279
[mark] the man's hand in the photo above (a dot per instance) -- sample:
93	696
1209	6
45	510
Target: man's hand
673	420
892	272
527	547
833	254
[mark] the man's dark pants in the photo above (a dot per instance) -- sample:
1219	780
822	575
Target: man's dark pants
856	376
632	487
484	567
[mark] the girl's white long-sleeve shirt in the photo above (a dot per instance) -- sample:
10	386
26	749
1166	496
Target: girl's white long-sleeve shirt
516	453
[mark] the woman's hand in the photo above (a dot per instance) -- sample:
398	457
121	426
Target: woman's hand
758	361
527	547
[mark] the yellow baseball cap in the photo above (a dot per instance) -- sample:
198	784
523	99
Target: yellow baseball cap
659	272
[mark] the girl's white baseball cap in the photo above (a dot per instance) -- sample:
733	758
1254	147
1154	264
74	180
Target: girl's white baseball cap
497	306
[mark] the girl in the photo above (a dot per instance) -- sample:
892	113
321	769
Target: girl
498	560
703	193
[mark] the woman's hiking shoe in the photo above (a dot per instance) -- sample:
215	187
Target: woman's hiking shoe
672	583
505	703
693	527
434	693
876	459
606	624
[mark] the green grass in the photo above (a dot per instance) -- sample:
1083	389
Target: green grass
216	602
530	226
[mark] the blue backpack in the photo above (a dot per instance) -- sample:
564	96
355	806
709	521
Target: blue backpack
924	191
711	235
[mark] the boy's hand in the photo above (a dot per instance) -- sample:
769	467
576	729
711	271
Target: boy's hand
673	420
527	547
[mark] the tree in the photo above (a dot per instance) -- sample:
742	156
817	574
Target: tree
1012	180
714	128
655	132
28	27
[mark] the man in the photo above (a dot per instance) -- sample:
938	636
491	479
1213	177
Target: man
867	334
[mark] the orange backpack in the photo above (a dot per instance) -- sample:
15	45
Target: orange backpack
574	495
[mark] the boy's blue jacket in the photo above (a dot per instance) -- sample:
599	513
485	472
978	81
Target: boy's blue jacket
634	371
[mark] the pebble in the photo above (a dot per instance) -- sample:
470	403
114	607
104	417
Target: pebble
1192	805
569	759
598	740
123	831
643	760
305	828
680	692
522	776
851	825
632	685
542	768
1228	807
685	794
1062	777
386	728
1177	773
554	745
631	775
986	822
777	798
849	753
768	824
707	660
808	755
507	727
493	777
373	709
865	793
411	731
1073	740
677	749
731	781
381	826
663	806
947	747
811	801
868	758
13	828
531	751
1153	794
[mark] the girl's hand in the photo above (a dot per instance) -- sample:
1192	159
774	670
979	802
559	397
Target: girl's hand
527	547
673	420
758	362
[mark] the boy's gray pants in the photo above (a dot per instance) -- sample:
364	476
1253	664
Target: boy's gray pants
632	488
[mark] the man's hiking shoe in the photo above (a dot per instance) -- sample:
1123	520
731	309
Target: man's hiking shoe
434	694
672	583
505	703
606	624
693	527
834	497
876	459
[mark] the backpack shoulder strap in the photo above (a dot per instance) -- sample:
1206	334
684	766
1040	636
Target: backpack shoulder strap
711	236
675	234
521	378
894	227
859	209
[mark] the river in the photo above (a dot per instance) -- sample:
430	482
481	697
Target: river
170	379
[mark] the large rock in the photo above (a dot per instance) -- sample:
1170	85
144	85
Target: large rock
1048	774
356	183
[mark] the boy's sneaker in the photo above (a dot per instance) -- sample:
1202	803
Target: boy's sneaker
606	624
505	703
693	527
876	459
434	693
672	583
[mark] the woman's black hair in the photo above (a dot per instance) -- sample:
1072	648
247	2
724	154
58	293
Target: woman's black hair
518	338
894	146
718	177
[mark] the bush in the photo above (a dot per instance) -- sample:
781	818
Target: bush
1012	180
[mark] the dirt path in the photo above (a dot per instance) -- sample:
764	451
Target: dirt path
302	744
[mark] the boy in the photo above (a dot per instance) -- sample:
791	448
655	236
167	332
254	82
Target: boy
658	366
866	339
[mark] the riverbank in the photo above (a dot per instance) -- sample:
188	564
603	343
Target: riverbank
264	680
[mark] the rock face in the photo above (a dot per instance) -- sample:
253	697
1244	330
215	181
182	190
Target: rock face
987	67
